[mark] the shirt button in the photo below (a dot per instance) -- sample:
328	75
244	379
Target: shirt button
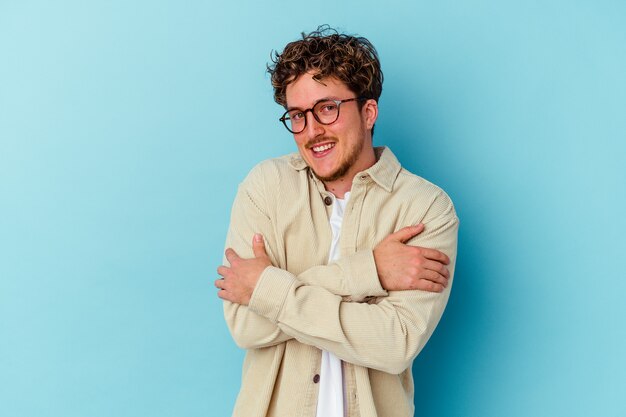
328	201
316	378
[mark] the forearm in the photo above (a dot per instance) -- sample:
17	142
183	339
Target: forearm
385	336
353	278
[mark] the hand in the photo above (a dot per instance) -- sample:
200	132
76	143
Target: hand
240	278
405	267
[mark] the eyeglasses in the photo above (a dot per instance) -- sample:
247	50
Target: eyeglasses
325	111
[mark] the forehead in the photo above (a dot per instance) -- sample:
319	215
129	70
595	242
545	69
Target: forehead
305	90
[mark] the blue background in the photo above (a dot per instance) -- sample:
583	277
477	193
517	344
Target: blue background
125	128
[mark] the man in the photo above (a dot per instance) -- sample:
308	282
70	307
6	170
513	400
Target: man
335	274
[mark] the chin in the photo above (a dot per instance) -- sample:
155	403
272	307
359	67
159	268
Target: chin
322	171
333	175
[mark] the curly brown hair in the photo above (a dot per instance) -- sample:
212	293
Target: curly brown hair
350	59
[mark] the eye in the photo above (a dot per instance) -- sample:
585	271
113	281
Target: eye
296	116
327	107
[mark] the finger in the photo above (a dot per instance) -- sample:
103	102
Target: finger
406	233
258	246
231	255
223	295
219	283
223	271
437	267
434	277
429	286
435	255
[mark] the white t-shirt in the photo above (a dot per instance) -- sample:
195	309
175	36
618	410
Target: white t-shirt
330	402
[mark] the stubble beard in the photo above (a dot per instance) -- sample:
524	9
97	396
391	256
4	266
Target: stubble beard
344	166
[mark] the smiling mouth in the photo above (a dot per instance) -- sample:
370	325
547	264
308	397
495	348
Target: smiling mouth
322	147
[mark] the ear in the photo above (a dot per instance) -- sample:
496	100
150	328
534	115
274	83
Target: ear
370	113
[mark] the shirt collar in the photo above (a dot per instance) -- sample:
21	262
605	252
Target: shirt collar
384	172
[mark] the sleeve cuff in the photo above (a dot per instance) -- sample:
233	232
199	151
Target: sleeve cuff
364	280
270	292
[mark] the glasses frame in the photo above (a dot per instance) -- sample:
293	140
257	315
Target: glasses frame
285	117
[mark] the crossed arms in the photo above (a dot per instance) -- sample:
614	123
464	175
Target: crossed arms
404	286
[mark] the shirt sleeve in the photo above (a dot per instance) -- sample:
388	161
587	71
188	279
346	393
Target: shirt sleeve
248	216
386	334
354	277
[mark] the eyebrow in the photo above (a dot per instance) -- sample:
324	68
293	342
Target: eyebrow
314	104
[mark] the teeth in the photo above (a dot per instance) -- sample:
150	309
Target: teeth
323	147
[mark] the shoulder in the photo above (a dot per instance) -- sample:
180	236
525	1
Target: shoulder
273	168
271	173
412	184
416	190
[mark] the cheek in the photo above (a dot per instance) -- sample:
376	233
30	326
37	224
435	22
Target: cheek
300	141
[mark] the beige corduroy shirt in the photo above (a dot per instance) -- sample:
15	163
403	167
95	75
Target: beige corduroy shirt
300	305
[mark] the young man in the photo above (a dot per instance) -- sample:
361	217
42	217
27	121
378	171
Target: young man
335	274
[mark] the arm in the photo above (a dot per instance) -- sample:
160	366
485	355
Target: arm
392	265
354	277
385	336
248	329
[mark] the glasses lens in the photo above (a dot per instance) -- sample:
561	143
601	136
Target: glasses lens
294	120
326	111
